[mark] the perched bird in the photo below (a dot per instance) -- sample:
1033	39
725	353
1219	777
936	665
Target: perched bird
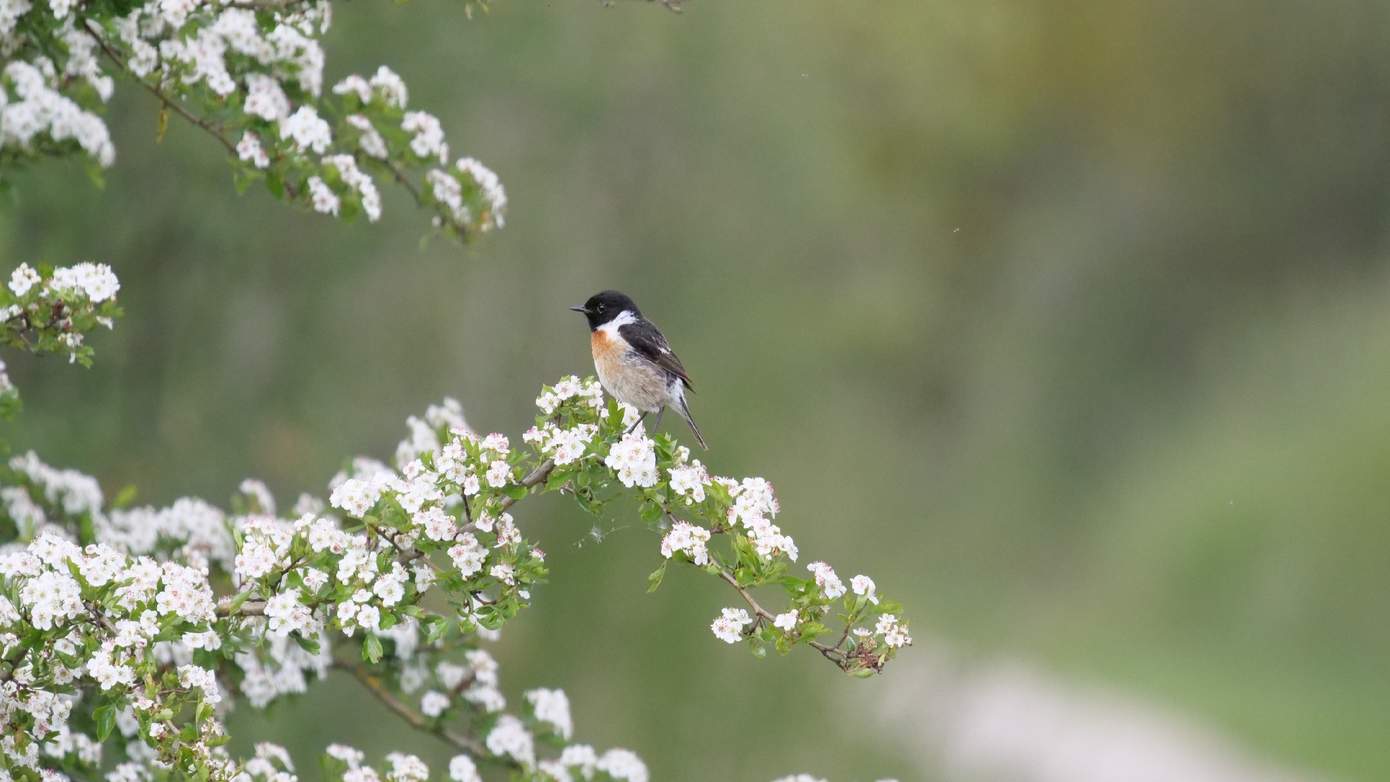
635	363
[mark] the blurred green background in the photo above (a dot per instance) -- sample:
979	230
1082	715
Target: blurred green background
1066	321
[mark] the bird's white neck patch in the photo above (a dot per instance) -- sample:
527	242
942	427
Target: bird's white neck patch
624	318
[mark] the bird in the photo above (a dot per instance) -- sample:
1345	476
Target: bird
634	361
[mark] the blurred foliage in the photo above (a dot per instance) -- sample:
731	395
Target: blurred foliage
1087	296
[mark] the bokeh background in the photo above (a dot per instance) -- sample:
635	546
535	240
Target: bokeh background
1067	321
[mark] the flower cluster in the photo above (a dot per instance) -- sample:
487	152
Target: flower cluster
250	76
50	310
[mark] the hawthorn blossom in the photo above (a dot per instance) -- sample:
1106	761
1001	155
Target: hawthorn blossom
552	707
427	136
894	633
23	278
622	764
96	280
467	555
433	703
633	459
509	738
324	199
728	626
463	769
688	539
826	580
864	587
307	130
689	481
786	622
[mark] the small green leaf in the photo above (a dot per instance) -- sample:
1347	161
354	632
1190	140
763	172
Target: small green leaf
105	718
310	645
654	580
124	497
371	649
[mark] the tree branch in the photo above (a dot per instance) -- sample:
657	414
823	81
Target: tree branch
266	5
831	653
417	720
415	193
532	478
168	102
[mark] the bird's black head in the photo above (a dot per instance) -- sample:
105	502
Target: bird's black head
605	306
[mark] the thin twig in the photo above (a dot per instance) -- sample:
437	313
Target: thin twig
532	478
417	720
831	653
404	181
158	93
419	553
266	5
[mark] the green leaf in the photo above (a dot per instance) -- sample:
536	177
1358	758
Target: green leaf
124	497
654	580
105	718
371	649
557	479
650	511
310	645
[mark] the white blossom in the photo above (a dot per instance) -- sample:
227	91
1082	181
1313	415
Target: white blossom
249	149
687	538
433	703
553	707
786	622
826	580
728	626
622	764
633	459
864	587
23	278
509	738
463	769
307	130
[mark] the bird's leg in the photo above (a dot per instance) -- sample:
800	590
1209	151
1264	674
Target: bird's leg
656	424
636	423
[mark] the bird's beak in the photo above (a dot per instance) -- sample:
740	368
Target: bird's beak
580	308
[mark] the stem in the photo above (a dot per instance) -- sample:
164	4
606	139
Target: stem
155	91
831	653
417	720
415	193
532	478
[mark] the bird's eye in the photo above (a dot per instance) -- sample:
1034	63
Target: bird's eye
601	307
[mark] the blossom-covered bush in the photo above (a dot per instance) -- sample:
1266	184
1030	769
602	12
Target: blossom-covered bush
248	73
128	633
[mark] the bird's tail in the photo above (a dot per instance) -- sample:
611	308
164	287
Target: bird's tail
684	410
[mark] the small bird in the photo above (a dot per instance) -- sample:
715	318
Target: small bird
635	363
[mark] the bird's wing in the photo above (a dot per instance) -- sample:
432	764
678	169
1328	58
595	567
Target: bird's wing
649	343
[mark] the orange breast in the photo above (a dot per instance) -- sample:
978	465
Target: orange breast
607	351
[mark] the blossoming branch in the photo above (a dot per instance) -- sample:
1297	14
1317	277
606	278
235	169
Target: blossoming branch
128	633
248	74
